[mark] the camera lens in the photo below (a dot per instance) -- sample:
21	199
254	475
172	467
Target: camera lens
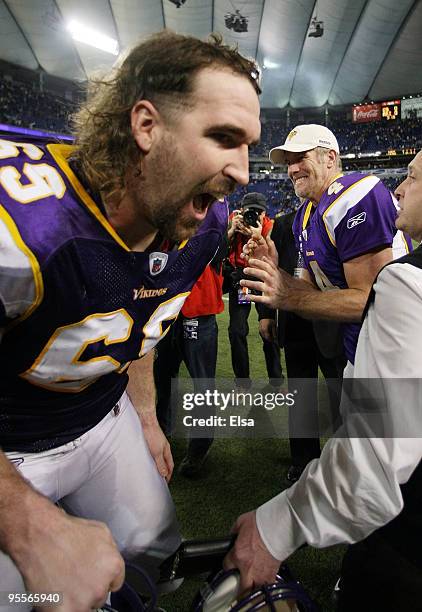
250	217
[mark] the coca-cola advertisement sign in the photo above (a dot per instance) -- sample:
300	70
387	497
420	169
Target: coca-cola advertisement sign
364	113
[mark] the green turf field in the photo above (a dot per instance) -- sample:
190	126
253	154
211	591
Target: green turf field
239	475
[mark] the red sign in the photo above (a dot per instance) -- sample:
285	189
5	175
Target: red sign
364	113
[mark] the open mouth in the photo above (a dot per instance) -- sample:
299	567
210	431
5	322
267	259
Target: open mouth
202	201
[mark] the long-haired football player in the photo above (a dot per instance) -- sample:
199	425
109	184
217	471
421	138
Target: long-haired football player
83	231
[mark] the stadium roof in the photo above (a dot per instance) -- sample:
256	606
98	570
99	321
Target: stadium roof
370	49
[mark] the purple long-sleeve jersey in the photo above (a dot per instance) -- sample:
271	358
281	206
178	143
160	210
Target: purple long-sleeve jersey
355	215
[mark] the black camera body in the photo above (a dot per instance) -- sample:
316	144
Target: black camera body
251	216
236	22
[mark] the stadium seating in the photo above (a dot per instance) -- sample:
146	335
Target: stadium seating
279	193
24	105
352	137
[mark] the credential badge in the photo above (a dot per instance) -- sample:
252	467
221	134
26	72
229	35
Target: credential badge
157	263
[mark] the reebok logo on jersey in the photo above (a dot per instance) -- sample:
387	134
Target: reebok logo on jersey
157	263
356	220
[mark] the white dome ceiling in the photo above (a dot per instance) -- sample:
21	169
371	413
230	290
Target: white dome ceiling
371	49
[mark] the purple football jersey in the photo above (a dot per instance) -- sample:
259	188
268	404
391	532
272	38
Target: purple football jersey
355	215
76	304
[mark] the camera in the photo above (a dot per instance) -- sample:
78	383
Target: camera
236	276
236	22
251	216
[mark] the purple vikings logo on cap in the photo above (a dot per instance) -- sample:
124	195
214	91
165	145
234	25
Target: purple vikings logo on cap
157	263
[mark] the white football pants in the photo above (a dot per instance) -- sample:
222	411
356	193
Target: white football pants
107	475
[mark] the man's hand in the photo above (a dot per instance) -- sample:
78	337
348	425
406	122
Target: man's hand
250	555
158	445
73	556
260	248
268	330
278	289
237	225
141	390
256	232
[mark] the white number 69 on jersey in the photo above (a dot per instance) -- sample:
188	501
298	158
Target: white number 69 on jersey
59	366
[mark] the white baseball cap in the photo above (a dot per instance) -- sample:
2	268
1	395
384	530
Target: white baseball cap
305	138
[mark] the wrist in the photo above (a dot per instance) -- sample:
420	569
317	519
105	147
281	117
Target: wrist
149	418
300	297
22	515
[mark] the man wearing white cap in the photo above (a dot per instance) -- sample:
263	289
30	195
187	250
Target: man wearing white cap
344	231
366	487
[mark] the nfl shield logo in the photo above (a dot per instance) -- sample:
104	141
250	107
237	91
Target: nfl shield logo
157	263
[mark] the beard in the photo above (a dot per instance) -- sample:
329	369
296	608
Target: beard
175	226
162	195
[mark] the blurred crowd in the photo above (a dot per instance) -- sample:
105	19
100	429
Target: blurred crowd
371	137
352	137
278	192
24	105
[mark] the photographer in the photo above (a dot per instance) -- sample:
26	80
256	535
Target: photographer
250	219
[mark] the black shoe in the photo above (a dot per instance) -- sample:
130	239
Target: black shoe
191	465
276	386
242	385
293	474
277	383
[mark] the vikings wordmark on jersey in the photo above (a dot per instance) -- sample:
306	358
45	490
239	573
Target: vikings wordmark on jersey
76	305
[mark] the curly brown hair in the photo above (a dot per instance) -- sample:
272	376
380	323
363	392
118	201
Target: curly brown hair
161	69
